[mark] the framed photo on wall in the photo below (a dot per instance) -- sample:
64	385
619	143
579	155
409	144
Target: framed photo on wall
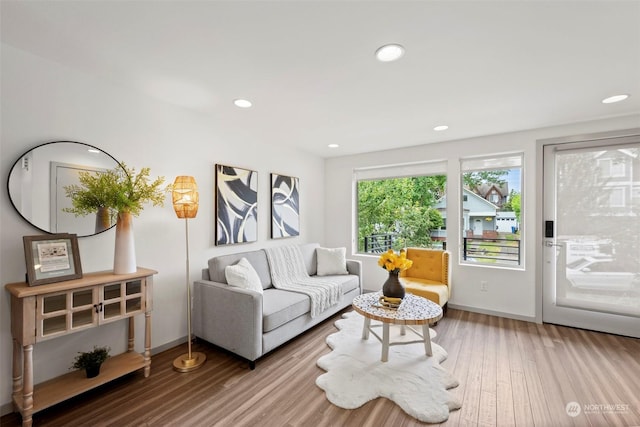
285	206
236	205
52	258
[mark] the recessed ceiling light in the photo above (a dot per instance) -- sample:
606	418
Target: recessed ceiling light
333	146
93	150
389	52
441	127
615	98
242	103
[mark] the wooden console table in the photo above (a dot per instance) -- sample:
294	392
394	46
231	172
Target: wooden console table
45	312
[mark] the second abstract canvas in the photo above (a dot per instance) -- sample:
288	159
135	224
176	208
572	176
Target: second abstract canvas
285	206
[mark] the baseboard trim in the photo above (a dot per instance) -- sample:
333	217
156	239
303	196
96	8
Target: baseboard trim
168	345
5	409
493	313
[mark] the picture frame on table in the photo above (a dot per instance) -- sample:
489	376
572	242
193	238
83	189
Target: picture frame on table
52	258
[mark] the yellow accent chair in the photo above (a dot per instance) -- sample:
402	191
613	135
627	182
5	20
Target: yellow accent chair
429	276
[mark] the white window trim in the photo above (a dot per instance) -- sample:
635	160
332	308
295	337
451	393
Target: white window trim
498	161
390	171
400	170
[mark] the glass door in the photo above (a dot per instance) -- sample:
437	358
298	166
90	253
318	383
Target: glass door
592	235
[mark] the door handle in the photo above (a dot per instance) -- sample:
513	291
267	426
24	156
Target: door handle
549	244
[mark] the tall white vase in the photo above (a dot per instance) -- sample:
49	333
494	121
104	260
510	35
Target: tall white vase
124	259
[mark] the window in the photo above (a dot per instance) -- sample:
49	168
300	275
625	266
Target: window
616	197
400	206
491	198
612	167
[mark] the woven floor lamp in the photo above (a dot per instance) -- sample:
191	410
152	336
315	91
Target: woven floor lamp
185	203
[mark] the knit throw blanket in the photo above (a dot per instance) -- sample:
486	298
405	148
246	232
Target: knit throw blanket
289	273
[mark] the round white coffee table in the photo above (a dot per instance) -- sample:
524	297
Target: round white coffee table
413	310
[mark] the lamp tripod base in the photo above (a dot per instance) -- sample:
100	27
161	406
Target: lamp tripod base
185	364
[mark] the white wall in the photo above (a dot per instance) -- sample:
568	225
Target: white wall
43	101
512	293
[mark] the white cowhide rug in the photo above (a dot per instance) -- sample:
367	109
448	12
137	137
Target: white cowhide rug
355	375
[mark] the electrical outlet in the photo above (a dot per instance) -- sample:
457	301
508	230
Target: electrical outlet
484	287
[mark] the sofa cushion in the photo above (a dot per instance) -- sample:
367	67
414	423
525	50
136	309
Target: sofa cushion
243	275
331	261
309	256
348	282
279	307
257	259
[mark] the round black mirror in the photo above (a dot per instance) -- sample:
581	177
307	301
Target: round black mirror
37	180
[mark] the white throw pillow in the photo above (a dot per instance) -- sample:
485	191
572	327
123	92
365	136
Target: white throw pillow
332	261
243	275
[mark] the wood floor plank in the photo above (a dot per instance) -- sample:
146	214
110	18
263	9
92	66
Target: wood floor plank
521	403
520	396
610	392
622	362
488	390
585	383
505	414
473	380
528	345
556	379
510	373
458	364
553	389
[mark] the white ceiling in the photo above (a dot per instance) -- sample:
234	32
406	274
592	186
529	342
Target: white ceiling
480	67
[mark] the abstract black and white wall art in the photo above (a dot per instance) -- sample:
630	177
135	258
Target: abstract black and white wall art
285	206
236	205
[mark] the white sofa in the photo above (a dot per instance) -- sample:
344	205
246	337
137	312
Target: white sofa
250	323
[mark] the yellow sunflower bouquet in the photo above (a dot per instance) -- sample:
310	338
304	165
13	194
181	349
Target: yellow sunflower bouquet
393	262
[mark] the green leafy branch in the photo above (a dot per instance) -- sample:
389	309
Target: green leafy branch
120	190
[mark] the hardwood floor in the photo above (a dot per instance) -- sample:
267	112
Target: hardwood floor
511	373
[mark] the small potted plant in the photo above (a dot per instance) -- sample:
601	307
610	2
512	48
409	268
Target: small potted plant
90	361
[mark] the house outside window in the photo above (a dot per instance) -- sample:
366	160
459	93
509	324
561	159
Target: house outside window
396	206
491	199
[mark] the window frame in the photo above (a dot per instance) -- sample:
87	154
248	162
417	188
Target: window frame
492	162
392	171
